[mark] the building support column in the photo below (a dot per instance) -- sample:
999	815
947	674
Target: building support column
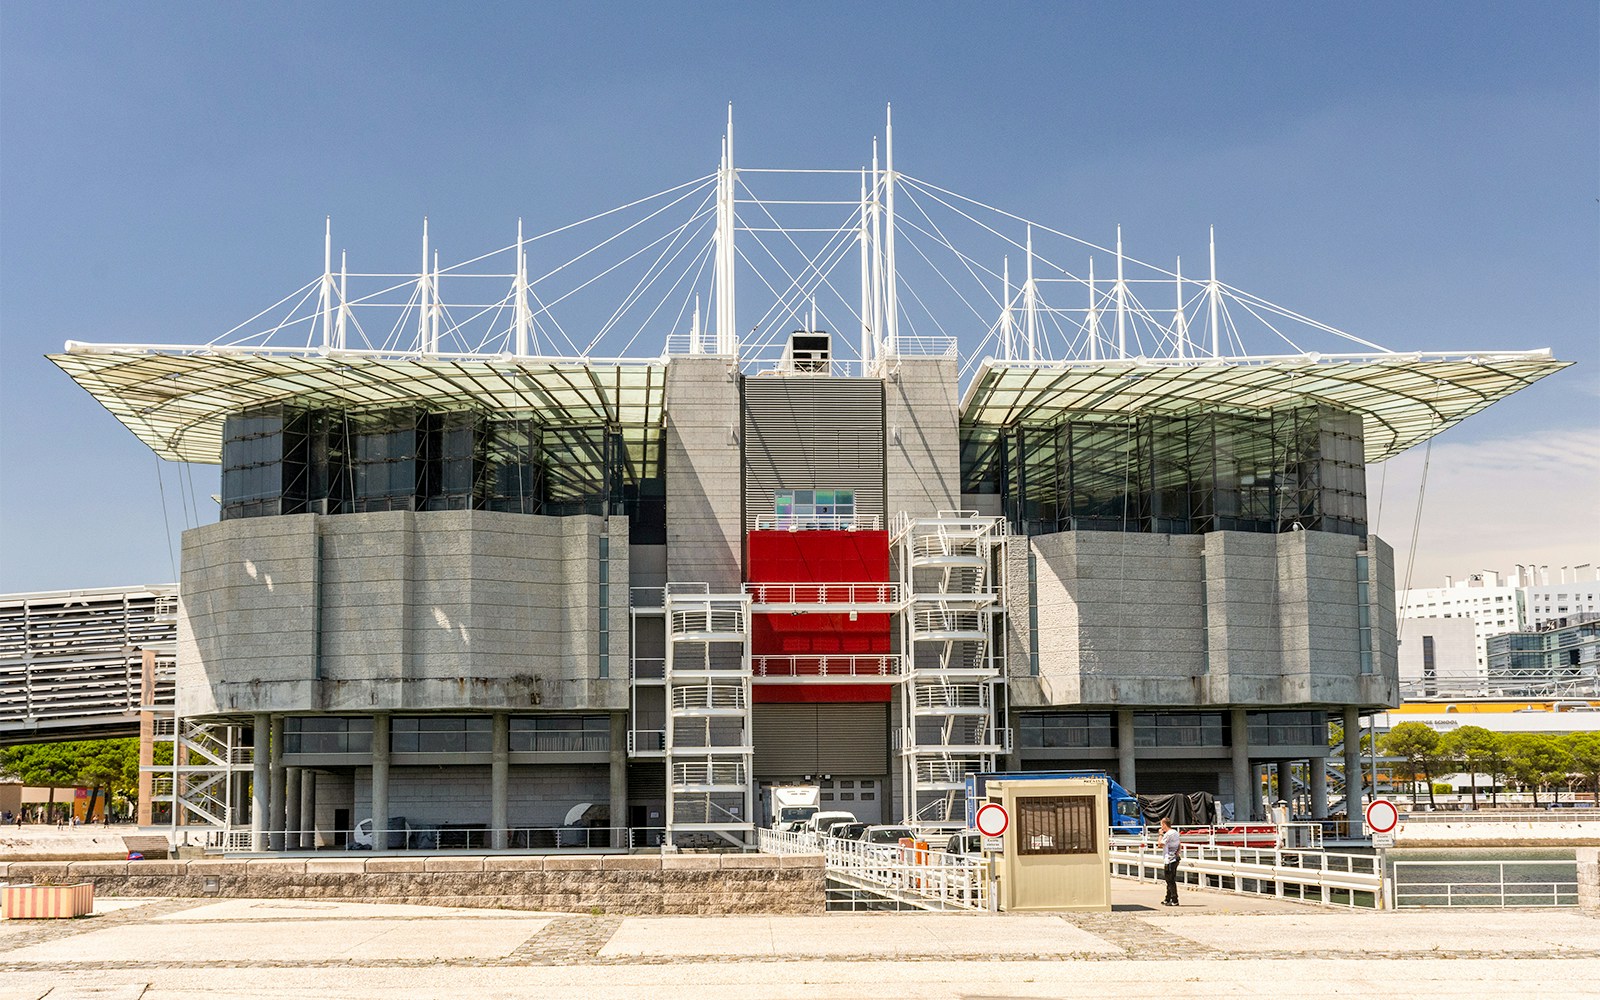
380	783
500	781
1285	769
1354	807
291	809
308	809
259	782
276	816
619	780
147	740
1126	775
1319	787
1244	789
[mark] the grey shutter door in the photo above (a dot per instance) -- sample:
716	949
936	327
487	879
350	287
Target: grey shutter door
810	432
795	740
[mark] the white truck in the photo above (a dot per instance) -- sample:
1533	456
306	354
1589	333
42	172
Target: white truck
791	806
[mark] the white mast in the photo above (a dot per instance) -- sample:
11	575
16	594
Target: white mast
1030	304
1094	318
1122	303
327	282
727	336
1216	338
1182	320
523	313
424	296
344	303
438	307
1007	325
865	238
891	302
877	261
695	346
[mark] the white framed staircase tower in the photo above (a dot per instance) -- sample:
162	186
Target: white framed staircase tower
952	704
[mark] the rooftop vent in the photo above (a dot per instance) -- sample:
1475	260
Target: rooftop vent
809	351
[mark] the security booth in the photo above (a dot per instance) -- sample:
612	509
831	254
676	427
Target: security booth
1055	852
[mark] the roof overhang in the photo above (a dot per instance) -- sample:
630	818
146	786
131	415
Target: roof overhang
1403	399
175	399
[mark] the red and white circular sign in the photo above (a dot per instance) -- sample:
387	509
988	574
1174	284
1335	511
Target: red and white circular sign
992	820
1382	816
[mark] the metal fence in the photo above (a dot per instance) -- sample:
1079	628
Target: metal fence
1484	883
890	876
1319	877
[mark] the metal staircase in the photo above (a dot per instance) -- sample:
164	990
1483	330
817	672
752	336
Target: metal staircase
707	742
204	787
952	579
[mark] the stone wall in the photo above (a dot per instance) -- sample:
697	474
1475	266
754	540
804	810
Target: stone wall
1589	879
615	884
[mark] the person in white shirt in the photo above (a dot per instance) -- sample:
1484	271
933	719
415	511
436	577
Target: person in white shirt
1170	852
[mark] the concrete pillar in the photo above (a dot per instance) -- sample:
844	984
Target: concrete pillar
259	782
291	809
1319	787
308	809
1126	775
276	816
619	779
380	783
1285	786
1244	787
147	739
499	781
1354	805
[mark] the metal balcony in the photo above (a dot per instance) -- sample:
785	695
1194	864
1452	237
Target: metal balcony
825	669
823	598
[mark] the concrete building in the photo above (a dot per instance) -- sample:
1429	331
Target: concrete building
484	595
1439	656
1560	657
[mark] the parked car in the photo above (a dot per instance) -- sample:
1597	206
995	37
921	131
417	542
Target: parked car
822	823
849	831
967	842
890	835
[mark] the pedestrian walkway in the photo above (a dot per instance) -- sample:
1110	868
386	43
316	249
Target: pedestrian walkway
166	949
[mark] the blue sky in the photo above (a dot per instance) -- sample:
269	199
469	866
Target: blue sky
1424	175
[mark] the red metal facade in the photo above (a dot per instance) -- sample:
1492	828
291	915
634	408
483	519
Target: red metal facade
818	557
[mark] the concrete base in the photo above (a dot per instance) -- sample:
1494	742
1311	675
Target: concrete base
1589	879
612	884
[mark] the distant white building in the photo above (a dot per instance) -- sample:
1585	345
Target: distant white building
1496	604
1439	656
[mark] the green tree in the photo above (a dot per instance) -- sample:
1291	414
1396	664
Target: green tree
47	765
1416	744
1583	750
106	767
1536	760
1476	749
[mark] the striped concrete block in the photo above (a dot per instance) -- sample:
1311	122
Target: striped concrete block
33	902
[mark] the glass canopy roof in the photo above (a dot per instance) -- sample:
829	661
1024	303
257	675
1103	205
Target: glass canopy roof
1403	399
175	399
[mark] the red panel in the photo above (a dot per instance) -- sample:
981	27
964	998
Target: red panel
819	557
767	694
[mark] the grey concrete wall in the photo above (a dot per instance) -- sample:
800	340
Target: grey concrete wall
537	796
924	463
705	541
443	610
612	883
1226	618
1589	879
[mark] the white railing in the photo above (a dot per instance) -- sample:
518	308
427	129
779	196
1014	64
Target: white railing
1566	814
726	620
944	772
1307	876
942	621
1483	883
818	522
945	546
983	741
646	741
885	594
1261	836
687	697
925	878
826	667
708	773
913	346
951	696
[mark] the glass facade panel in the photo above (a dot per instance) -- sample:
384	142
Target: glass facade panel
1180	729
560	734
1065	730
1285	729
440	734
1209	471
327	734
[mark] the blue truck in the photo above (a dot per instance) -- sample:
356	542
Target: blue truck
1126	817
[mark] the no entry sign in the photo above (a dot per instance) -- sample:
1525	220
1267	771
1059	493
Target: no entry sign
992	820
1382	816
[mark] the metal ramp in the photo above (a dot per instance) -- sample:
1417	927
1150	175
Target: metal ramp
903	877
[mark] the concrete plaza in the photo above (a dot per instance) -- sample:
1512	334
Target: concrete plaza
164	949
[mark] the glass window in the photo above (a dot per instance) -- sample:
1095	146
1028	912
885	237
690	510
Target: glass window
440	734
1057	824
327	734
1065	730
1185	729
560	734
